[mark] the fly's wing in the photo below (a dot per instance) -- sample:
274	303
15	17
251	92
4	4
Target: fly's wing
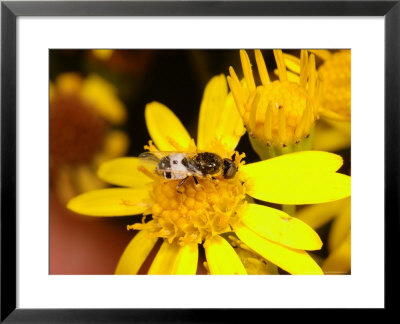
157	156
167	169
149	161
150	156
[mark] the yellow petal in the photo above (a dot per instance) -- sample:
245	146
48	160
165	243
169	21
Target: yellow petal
306	177
123	172
165	128
262	68
52	92
320	214
279	227
230	127
329	114
340	227
292	62
103	98
211	106
222	258
175	259
69	83
87	180
116	144
343	127
293	77
111	202
332	136
290	260
247	70
339	261
219	120
65	185
135	253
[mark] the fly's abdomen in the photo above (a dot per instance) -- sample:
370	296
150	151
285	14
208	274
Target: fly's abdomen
208	163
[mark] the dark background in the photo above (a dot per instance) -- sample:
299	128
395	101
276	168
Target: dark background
176	78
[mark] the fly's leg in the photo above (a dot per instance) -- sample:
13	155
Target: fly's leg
181	183
196	181
214	179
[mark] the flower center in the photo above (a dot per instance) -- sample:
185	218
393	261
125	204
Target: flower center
193	212
336	94
76	130
276	110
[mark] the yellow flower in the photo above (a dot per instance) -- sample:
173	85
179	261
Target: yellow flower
82	113
333	131
336	90
339	236
332	135
280	113
335	73
205	214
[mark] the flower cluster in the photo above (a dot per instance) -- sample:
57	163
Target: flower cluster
228	217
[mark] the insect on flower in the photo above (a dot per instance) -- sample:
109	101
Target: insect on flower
202	216
181	166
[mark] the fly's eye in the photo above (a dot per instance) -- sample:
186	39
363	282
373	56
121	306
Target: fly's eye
229	169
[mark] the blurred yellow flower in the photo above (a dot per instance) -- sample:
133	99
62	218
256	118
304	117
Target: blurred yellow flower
278	113
336	90
103	54
82	114
339	237
208	212
332	135
335	73
334	129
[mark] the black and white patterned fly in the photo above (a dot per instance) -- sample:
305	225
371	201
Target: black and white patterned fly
176	165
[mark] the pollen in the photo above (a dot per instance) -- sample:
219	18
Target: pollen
279	112
336	90
193	212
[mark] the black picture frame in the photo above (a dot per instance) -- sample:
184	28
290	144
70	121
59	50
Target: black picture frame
11	10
